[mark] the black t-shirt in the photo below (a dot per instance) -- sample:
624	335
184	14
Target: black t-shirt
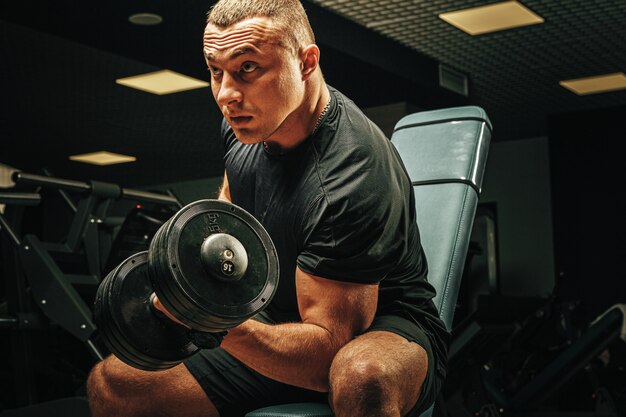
338	206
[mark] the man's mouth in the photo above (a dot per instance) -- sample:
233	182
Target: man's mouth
240	120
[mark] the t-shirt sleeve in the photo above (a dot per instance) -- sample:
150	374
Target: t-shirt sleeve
357	237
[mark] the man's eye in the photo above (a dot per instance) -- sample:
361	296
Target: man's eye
249	67
215	71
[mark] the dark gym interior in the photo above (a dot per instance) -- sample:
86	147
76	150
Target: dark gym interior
539	325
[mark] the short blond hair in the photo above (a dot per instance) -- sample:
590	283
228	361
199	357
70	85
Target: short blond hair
288	15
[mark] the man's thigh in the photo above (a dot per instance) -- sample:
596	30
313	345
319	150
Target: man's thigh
235	389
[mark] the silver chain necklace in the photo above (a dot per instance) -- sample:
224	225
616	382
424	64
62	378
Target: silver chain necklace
317	123
319	119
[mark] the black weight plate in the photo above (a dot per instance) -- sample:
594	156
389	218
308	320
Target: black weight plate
204	302
131	330
164	285
123	348
155	256
109	331
170	293
237	300
114	339
136	335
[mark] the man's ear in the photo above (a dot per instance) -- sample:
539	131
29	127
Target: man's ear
309	60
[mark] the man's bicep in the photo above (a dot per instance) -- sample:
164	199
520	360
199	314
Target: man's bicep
344	309
224	193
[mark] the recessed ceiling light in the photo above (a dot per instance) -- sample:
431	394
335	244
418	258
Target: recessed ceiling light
596	84
162	82
145	19
102	158
492	18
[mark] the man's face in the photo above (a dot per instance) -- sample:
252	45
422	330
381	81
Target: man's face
256	81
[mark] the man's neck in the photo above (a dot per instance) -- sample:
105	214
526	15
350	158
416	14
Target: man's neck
302	122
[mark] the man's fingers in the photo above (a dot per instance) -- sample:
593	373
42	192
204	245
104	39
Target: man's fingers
157	305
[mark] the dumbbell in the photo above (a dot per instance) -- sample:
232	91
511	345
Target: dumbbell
212	266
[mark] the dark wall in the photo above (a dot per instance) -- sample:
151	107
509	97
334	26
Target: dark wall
588	202
517	184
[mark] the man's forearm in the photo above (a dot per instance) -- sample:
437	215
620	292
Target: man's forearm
293	353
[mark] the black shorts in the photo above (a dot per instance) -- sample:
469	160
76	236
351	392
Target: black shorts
236	389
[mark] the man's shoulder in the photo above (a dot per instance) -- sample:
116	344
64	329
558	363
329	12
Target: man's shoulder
352	138
352	128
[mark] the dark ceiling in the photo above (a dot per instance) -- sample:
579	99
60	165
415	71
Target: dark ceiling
514	74
59	61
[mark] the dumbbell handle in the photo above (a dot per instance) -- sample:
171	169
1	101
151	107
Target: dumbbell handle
160	310
204	340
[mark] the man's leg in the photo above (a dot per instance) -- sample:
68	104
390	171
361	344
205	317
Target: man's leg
116	389
377	374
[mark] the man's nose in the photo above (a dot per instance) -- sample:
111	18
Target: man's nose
229	92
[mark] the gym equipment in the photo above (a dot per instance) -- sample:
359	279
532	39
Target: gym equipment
608	327
18	319
97	188
136	232
212	266
53	265
497	321
445	152
52	288
21	199
531	356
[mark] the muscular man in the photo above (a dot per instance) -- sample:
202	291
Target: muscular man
352	321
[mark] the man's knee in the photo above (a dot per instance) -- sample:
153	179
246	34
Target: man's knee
104	387
114	388
360	382
378	373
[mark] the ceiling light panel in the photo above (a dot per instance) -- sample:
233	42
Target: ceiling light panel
145	19
596	84
491	18
162	82
102	158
